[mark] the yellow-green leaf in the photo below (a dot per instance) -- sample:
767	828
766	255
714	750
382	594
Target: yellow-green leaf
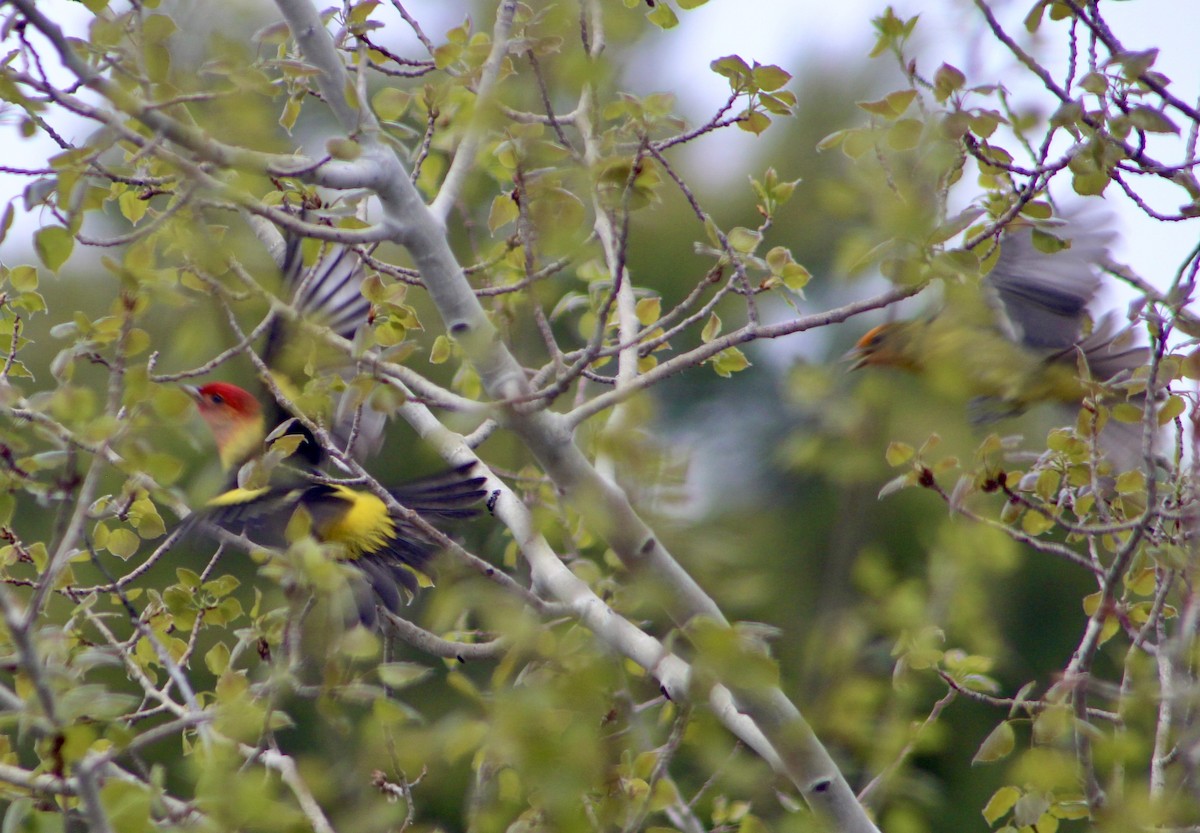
1001	802
504	210
744	240
662	16
997	745
898	453
729	361
53	245
122	543
133	207
649	310
441	350
1035	523
390	103
1173	407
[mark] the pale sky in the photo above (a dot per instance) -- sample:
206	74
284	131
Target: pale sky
787	32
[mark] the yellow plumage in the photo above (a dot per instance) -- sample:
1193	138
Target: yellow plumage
364	527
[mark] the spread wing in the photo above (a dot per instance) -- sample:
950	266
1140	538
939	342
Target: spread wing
385	548
1041	298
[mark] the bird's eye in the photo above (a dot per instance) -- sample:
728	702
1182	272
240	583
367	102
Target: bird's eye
215	398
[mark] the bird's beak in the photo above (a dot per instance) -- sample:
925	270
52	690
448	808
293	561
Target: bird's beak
857	358
192	391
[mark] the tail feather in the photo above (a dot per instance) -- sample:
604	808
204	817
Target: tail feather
451	494
331	295
386	579
1108	351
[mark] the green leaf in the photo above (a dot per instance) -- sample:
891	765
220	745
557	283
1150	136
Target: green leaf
712	329
291	112
504	211
1135	63
744	240
899	453
997	745
662	16
390	103
157	28
1173	407
359	12
53	245
947	80
127	806
1131	482
729	361
446	54
891	105
832	140
1094	83
1090	184
1043	241
216	659
440	353
752	121
1151	120
221	586
122	543
648	310
23	278
346	150
6	221
1035	523
1003	800
905	134
133	207
402	674
733	68
188	578
770	77
1127	412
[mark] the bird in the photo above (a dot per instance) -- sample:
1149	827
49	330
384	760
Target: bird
1017	338
390	552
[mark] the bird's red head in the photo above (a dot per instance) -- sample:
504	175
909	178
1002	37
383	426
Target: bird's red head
235	418
888	345
222	398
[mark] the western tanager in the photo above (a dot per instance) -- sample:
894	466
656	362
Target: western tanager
1016	338
389	551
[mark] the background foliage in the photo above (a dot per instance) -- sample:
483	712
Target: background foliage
1025	661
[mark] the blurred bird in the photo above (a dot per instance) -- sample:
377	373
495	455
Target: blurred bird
1019	342
390	552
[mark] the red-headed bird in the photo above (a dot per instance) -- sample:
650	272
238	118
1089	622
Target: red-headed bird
390	552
